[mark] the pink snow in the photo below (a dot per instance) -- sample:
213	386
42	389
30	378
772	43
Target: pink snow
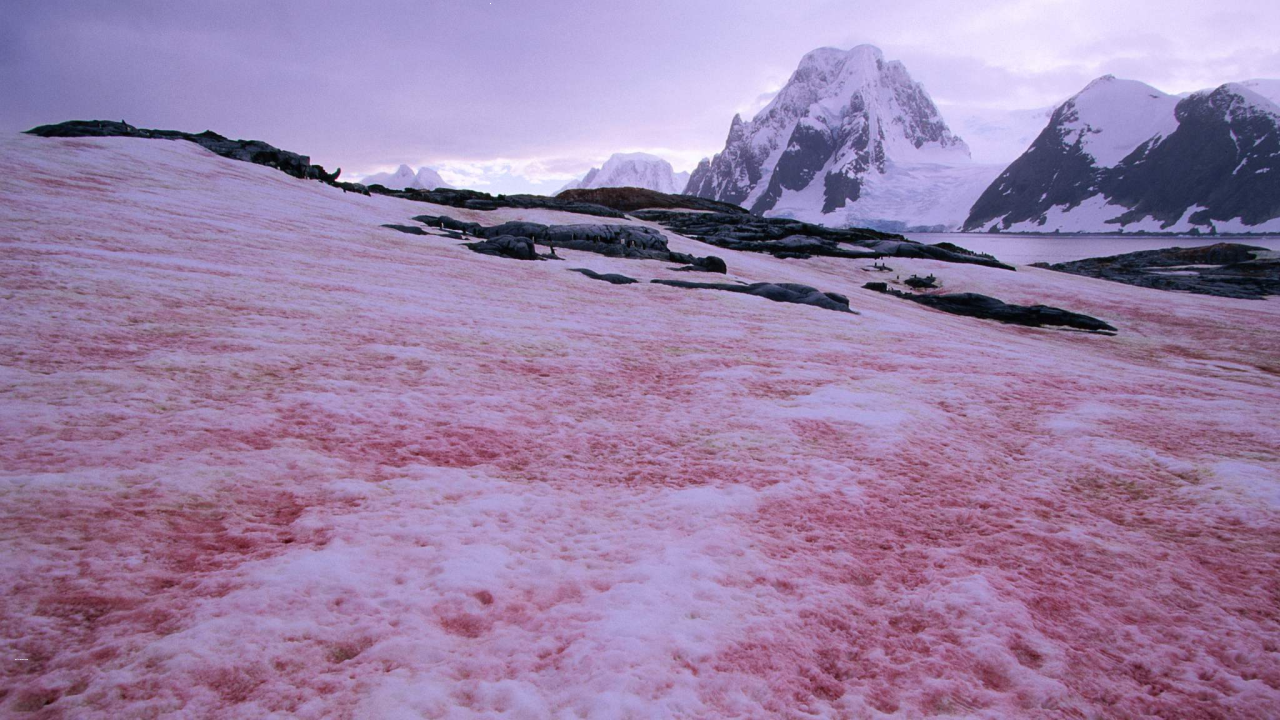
264	458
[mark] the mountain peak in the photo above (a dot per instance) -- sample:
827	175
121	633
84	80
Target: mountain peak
842	117
635	169
829	57
1118	89
1248	94
404	177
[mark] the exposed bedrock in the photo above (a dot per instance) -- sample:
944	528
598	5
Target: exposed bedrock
476	200
629	199
509	246
254	151
989	308
613	278
1224	270
625	241
777	292
300	166
794	239
408	229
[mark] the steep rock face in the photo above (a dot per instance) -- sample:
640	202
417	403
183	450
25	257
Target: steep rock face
845	121
638	170
1122	155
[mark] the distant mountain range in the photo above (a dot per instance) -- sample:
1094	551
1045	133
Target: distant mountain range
639	170
1122	155
851	139
404	178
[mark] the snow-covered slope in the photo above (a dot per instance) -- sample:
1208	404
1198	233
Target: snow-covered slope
1123	155
1267	88
1111	117
263	458
920	197
640	170
404	177
847	135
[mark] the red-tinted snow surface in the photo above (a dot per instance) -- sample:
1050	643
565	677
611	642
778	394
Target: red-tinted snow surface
264	458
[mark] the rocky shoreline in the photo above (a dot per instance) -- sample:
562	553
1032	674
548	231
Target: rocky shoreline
1228	270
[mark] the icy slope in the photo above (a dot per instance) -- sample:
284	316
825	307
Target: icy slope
1267	88
264	458
640	170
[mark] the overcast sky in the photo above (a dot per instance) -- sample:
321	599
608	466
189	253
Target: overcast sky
508	96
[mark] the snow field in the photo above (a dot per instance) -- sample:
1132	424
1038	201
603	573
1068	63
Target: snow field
264	458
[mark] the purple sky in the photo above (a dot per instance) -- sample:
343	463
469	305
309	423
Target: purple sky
510	96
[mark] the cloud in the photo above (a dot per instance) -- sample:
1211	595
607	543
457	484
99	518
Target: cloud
517	94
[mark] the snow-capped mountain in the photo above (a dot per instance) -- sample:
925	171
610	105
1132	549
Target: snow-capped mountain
850	139
640	170
1122	155
404	177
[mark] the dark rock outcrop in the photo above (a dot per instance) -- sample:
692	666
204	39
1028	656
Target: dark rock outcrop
921	283
630	199
710	263
792	238
777	292
254	151
408	229
625	241
475	200
300	166
613	278
989	308
517	248
1224	270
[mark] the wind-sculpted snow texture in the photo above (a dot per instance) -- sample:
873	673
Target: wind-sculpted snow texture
264	458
